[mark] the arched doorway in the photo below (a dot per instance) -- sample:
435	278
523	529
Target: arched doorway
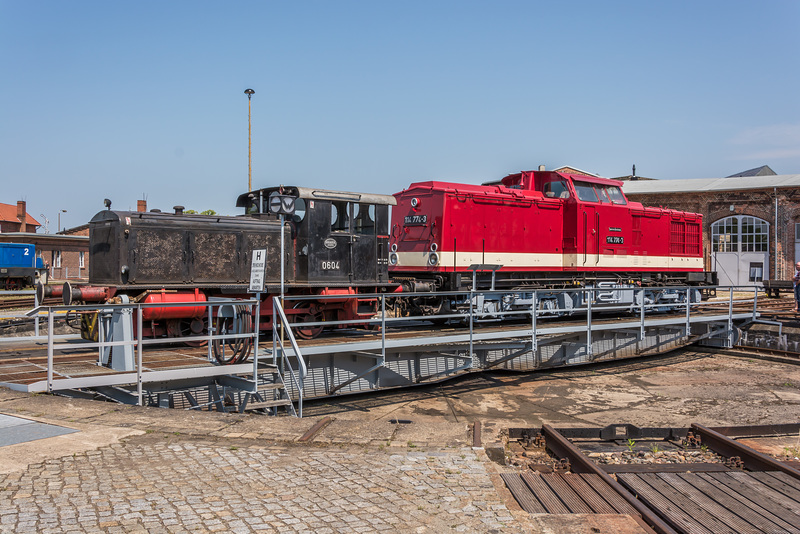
740	250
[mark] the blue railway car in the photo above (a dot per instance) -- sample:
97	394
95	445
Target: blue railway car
18	265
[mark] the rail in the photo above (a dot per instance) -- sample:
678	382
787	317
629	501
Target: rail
132	367
536	311
279	348
579	463
466	344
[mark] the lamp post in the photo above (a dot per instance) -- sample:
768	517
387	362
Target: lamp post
59	220
249	93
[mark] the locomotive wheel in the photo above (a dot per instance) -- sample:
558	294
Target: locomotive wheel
230	351
194	327
312	314
187	327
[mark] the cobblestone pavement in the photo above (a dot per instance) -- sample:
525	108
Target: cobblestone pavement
155	484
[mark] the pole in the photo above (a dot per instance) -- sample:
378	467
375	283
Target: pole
775	247
282	277
249	93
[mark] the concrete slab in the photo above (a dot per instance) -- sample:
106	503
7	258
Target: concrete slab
15	430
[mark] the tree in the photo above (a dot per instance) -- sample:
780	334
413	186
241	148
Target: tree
206	212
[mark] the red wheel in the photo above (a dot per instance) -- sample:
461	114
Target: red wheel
311	314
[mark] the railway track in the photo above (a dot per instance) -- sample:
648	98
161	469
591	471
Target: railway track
746	491
26	303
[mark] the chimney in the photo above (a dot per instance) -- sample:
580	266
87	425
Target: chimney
22	215
541	167
141	206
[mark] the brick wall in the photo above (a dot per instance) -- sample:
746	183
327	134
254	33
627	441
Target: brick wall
716	205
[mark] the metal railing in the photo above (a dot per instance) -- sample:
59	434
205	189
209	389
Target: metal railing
279	357
137	342
284	349
472	316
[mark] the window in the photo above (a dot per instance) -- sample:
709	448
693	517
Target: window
57	258
81	259
585	191
340	218
615	194
555	189
756	272
299	210
364	219
740	233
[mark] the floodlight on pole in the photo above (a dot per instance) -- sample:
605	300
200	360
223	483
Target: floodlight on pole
249	93
59	219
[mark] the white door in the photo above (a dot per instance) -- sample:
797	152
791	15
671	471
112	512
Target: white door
740	250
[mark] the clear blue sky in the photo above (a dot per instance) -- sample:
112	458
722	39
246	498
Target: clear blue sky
128	100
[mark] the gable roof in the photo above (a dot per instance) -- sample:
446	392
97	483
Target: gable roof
8	213
764	170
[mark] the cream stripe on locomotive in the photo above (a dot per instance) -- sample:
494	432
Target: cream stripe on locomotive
550	261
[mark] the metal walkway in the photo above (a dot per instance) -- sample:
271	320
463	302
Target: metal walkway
135	370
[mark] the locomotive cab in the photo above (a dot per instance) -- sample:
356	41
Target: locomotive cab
340	238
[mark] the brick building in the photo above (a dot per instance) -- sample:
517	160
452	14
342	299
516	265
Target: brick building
70	258
16	218
751	220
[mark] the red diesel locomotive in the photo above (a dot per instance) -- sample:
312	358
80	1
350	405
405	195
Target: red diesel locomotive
540	230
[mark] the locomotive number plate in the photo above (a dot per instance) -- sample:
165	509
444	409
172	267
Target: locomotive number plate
410	220
615	240
330	265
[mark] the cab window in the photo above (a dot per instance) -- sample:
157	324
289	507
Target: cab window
340	216
615	194
299	210
585	191
364	219
555	189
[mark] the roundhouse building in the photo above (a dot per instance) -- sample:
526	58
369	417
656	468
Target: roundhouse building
751	220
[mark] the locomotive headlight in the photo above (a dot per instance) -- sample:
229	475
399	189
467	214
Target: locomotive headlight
433	259
414	202
393	258
394	247
434	247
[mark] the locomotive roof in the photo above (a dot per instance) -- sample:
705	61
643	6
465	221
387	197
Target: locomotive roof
579	177
320	194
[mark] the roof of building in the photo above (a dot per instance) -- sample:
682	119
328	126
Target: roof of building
569	169
764	170
711	184
8	213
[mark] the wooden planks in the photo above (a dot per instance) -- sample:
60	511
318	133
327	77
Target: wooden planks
565	493
736	501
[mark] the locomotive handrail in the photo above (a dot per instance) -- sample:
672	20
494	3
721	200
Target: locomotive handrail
479	314
137	341
302	369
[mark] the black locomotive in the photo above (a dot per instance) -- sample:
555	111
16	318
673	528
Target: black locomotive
335	243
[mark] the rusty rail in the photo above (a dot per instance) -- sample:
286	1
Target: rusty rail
318	427
752	459
563	448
